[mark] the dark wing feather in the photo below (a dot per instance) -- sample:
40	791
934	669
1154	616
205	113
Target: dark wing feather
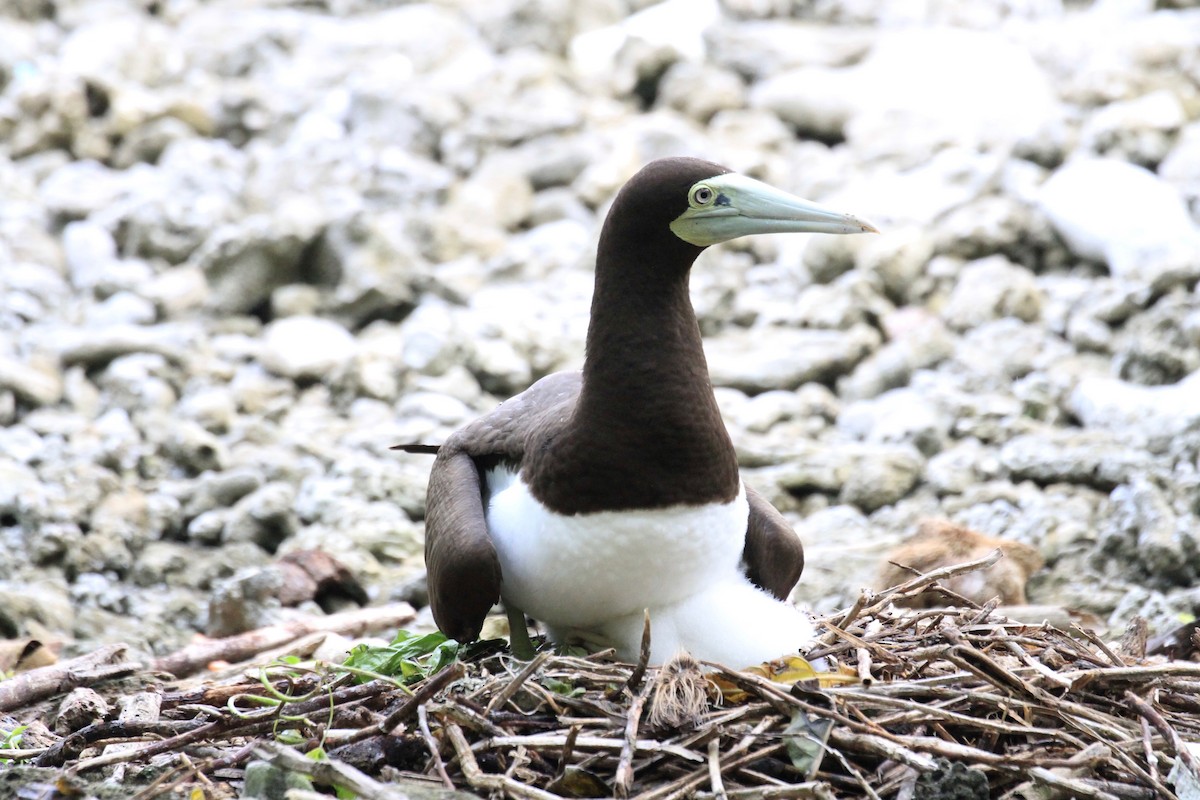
773	555
464	571
417	448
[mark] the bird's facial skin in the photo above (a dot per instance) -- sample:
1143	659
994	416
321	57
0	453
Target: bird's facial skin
727	206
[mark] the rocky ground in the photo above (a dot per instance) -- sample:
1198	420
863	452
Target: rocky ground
247	246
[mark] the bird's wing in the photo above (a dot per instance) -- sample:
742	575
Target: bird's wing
463	569
464	573
773	555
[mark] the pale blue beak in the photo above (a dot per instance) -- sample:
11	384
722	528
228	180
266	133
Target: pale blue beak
727	206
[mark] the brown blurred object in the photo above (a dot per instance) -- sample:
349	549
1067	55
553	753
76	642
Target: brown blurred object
18	655
1181	643
316	575
940	543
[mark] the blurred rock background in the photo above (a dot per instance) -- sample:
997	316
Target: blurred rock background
247	245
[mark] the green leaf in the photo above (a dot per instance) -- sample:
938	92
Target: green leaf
562	687
290	737
12	739
410	657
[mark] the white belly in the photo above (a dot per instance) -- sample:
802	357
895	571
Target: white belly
578	571
593	575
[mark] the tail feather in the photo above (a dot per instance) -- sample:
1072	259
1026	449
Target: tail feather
417	447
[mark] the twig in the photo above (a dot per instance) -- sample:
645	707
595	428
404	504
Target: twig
624	777
975	660
879	746
425	692
1148	748
478	779
38	684
225	726
714	769
854	772
1182	751
506	693
608	743
328	771
431	743
688	783
1081	678
919	583
1077	788
634	682
864	666
852	614
813	790
1116	660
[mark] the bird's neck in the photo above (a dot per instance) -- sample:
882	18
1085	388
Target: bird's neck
646	386
644	355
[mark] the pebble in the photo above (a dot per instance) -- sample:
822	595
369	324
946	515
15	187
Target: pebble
795	356
307	348
1115	405
899	415
1088	458
1162	544
992	288
30	384
1126	217
884	104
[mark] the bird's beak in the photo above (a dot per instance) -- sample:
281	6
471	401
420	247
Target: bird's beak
727	206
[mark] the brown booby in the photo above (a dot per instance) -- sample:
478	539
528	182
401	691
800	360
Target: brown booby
596	496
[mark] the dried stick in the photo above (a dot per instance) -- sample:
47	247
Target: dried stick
688	783
431	743
511	688
864	666
877	745
814	790
1081	678
714	769
588	742
634	682
1076	787
478	779
1116	660
855	773
921	581
329	771
225	726
1182	751
242	646
633	717
38	684
425	692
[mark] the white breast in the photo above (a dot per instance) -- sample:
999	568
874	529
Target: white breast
592	575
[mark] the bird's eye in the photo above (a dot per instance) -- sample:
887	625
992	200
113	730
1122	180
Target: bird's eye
702	195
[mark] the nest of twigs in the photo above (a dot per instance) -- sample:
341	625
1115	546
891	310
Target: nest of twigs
953	702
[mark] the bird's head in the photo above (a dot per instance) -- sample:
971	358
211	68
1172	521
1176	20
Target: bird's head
702	204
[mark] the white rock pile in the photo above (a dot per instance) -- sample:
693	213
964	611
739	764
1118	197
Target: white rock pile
247	245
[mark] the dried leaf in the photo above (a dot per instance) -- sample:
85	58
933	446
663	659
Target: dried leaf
805	739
